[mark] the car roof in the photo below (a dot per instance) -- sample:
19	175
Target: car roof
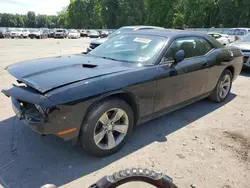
170	33
138	27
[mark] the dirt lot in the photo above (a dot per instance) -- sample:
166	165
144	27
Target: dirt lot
204	144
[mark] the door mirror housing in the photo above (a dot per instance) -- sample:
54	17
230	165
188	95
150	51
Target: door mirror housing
179	56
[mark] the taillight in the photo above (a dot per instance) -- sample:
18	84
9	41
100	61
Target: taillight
236	38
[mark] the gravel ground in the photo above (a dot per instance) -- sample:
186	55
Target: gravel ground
204	144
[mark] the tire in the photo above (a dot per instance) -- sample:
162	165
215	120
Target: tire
91	123
21	36
216	96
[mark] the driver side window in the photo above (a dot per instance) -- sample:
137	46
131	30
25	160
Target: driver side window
192	46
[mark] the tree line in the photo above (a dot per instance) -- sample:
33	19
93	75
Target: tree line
111	14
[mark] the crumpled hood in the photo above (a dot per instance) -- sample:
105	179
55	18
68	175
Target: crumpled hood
242	45
50	73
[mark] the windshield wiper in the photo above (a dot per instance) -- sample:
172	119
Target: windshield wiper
110	58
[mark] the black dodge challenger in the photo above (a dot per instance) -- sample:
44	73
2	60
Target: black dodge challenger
98	98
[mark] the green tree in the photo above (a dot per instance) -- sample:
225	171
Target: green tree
31	19
42	20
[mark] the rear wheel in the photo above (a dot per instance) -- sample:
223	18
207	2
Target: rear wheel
107	127
223	87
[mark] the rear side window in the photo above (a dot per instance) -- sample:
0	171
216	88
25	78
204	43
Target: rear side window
192	46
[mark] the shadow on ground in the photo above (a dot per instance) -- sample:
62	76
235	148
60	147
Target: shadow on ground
40	160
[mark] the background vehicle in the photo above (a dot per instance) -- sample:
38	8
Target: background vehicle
237	33
8	31
124	29
74	34
61	33
51	33
84	33
104	33
19	33
2	32
244	44
129	79
93	34
222	38
38	34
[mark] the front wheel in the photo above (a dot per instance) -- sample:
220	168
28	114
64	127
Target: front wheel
223	87
107	127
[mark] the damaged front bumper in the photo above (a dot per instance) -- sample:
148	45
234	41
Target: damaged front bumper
41	114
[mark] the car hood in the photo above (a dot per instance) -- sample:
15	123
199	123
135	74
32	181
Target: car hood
99	41
50	73
242	45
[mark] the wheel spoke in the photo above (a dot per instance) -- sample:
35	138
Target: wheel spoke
224	92
104	119
98	138
226	84
111	140
122	128
118	114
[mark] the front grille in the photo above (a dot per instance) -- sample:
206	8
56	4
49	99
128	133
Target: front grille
93	46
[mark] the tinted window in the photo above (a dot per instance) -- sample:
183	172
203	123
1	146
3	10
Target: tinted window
192	46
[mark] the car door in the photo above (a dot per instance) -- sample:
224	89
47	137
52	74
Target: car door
186	80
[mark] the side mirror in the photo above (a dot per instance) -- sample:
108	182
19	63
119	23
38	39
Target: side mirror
179	56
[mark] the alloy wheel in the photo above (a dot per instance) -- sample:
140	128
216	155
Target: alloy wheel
111	128
225	86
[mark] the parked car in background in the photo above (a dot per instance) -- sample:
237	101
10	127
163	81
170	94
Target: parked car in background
98	98
244	44
74	34
2	32
51	33
38	34
93	34
8	31
61	33
104	33
19	33
222	38
84	33
96	43
237	33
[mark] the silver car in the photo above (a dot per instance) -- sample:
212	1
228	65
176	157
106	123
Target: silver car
244	45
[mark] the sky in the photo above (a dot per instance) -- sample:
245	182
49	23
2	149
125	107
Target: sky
50	7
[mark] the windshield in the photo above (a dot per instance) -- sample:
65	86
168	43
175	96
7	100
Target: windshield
59	30
246	38
121	30
130	48
236	32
